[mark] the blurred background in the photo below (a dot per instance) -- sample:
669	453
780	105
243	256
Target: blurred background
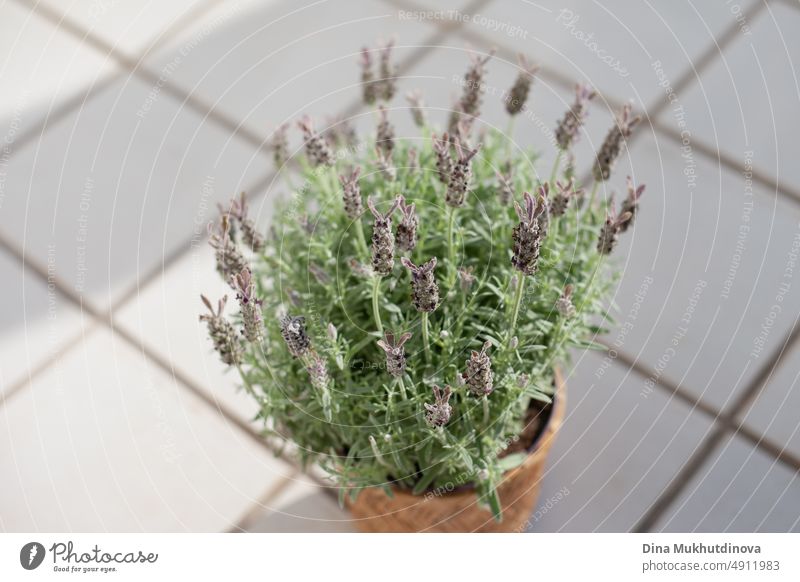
123	124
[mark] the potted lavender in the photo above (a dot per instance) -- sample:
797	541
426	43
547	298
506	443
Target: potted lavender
403	321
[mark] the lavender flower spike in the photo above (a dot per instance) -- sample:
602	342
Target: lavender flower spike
609	234
369	86
387	72
505	185
565	192
444	161
226	341
570	125
515	101
438	413
473	84
425	291
351	194
280	145
317	149
460	176
250	234
293	330
406	236
250	307
382	239
385	166
612	146
228	256
395	352
564	303
385	137
478	377
631	203
417	106
526	236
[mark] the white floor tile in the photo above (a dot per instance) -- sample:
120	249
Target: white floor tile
269	64
748	99
106	442
617	450
164	315
702	267
302	507
611	44
119	184
42	67
35	321
774	411
129	27
740	489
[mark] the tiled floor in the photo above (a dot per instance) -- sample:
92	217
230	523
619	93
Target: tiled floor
124	124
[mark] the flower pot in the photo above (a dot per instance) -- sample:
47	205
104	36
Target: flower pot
458	510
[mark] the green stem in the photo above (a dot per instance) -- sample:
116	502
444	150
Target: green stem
517	302
362	242
376	312
556	164
485	411
425	340
593	194
402	387
510	136
451	250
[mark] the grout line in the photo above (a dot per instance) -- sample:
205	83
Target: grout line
707	447
137	68
45	364
272	492
729	162
761	441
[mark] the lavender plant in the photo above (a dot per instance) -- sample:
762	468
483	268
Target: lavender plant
412	362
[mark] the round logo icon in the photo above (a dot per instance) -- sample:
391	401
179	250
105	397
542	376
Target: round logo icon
31	555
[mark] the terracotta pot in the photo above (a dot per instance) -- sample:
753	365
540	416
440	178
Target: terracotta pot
458	510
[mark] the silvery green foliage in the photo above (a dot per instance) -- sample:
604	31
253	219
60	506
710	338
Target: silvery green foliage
365	402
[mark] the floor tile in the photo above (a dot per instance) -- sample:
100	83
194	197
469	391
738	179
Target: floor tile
616	451
164	315
272	63
119	183
129	27
740	489
774	411
302	507
744	101
611	44
42	67
702	267
106	442
35	321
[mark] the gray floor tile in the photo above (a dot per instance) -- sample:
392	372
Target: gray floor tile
740	489
748	99
703	266
106	442
617	450
119	183
35	322
272	63
774	412
611	44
